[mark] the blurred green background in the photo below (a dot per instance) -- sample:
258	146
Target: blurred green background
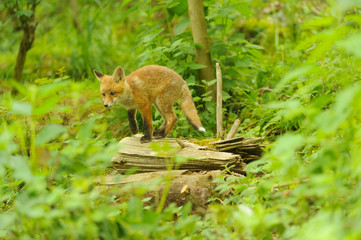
291	72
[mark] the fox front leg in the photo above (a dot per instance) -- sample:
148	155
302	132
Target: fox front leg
132	121
146	112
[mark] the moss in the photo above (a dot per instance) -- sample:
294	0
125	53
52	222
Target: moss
206	142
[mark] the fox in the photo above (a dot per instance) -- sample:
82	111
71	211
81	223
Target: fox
149	85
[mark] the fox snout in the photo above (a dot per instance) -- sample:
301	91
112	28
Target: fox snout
109	102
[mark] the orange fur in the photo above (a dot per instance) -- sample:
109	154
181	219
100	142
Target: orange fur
149	85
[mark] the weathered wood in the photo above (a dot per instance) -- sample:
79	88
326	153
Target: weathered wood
184	186
133	154
111	180
248	148
237	139
234	129
239	145
219	114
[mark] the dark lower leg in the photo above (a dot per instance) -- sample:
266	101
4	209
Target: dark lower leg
170	125
148	131
132	121
148	125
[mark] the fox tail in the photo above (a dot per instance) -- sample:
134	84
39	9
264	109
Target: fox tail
189	109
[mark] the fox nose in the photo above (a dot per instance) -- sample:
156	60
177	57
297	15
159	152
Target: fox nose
105	105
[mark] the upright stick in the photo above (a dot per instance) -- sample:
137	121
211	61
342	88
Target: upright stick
234	129
219	102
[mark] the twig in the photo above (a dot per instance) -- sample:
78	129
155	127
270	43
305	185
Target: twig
180	143
234	129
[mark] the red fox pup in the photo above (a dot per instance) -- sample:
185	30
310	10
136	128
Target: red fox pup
149	85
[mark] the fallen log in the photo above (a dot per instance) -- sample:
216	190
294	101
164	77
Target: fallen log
188	180
183	186
144	158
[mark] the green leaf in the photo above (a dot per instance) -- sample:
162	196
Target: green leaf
86	130
181	26
225	96
21	168
345	97
49	133
180	8
210	83
47	106
20	87
331	119
186	209
207	99
219	48
180	159
296	73
318	22
195	66
344	5
288	143
243	62
22	108
49	89
244	9
352	44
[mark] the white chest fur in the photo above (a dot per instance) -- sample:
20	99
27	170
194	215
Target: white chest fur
126	98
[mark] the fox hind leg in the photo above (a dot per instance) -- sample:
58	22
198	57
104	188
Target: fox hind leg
170	119
160	131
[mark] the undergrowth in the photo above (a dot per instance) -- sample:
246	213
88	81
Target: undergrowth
291	73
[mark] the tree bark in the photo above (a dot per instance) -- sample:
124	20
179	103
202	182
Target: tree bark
25	45
200	36
28	25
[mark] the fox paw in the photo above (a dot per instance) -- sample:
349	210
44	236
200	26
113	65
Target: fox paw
159	134
145	139
134	130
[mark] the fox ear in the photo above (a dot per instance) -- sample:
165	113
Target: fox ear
98	75
118	75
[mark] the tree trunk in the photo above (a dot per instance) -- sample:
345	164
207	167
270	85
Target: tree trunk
75	13
200	36
28	25
26	43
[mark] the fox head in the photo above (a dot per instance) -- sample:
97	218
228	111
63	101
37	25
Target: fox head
111	86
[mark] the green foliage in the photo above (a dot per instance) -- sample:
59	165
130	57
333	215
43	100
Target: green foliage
291	73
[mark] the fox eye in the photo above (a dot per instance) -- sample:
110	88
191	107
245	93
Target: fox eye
112	93
103	94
